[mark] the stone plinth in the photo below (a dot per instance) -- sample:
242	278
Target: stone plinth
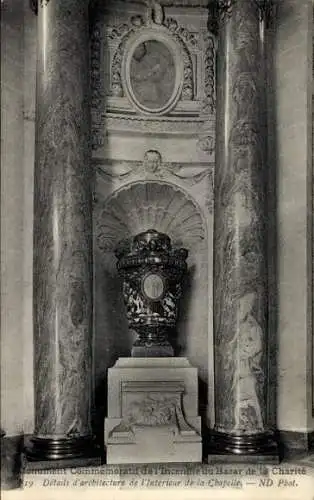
152	412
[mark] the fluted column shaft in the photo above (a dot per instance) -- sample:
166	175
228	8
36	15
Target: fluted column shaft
240	266
62	234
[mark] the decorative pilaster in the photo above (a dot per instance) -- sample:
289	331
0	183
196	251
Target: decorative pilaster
62	236
240	235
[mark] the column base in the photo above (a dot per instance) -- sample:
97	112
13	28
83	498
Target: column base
46	453
254	448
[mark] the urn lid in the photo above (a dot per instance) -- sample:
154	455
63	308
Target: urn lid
152	241
149	247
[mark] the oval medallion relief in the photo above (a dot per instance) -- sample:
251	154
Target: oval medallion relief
152	73
153	286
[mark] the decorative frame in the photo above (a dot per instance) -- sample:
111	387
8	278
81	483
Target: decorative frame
112	110
148	34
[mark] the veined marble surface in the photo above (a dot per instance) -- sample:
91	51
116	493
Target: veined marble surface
240	299
62	225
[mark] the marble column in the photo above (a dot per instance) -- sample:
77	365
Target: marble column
240	235
62	308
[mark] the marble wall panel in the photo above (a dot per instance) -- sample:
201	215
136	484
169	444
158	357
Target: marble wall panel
293	45
12	217
30	56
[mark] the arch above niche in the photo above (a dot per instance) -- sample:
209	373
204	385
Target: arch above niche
144	205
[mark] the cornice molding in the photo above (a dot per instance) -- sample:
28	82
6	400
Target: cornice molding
165	3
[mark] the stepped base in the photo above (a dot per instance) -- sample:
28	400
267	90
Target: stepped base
48	453
254	448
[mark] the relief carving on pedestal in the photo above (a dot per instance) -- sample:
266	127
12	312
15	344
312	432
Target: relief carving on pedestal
152	411
147	405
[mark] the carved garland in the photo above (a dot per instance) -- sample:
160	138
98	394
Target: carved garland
153	165
209	101
153	168
98	94
120	30
116	67
167	169
174	27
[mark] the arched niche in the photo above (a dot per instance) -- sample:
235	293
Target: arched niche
131	209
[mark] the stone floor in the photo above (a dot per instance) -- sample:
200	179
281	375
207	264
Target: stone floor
306	459
292	474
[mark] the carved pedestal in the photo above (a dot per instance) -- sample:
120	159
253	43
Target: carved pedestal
152	412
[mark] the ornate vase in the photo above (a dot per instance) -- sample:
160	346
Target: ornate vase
152	273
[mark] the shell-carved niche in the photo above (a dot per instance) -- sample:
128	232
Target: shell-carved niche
146	205
132	209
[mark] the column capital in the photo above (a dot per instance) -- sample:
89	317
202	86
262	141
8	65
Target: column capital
226	5
222	9
34	4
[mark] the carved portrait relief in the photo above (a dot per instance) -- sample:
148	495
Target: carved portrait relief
152	74
152	71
